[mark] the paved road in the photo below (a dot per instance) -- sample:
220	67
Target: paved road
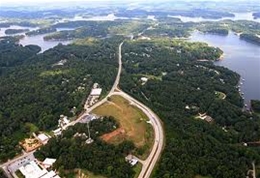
149	163
116	83
154	156
14	164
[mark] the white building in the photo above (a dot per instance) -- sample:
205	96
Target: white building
63	121
131	160
32	170
96	92
43	138
144	79
48	162
57	132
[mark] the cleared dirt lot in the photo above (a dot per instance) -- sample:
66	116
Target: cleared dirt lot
133	125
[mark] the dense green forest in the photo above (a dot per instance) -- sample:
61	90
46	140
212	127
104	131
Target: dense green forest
182	82
36	90
250	38
204	13
97	29
255	105
72	151
177	80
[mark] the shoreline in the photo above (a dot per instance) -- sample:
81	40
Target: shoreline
221	57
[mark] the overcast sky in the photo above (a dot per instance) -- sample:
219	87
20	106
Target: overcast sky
27	2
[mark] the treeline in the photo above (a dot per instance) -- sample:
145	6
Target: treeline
72	151
178	88
97	29
82	32
217	31
255	104
36	89
15	31
41	31
36	14
204	13
250	38
19	23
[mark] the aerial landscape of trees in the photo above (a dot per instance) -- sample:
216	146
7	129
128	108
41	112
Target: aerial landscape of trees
72	151
182	83
178	88
35	90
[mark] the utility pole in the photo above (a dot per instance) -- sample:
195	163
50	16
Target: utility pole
89	140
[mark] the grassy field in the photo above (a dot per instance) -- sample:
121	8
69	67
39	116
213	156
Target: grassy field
81	173
220	95
132	120
86	174
137	169
198	176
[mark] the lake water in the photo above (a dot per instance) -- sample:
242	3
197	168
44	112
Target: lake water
109	17
36	40
238	16
239	56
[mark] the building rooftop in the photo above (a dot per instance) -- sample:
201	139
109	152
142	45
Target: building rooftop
32	170
96	91
48	162
42	137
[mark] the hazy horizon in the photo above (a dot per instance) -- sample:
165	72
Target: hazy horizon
33	2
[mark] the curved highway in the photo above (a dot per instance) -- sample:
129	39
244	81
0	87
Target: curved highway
149	163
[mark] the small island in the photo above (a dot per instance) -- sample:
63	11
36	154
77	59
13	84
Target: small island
41	31
15	31
217	31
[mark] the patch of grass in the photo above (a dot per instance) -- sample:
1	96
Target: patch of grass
137	169
132	120
19	174
31	127
152	77
220	95
86	41
199	176
82	173
133	27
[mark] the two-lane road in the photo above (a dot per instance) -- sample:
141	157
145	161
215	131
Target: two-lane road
149	163
154	156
